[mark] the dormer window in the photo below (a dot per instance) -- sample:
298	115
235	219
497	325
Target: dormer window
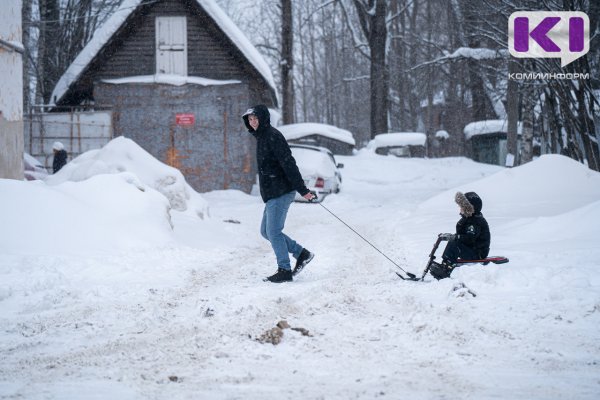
171	45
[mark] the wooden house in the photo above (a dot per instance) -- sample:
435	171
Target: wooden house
177	75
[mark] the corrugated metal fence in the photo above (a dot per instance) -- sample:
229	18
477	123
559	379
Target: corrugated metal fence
78	130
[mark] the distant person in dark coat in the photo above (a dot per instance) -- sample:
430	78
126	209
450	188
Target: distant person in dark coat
60	156
279	180
471	240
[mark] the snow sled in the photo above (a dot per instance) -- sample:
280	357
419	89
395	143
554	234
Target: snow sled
441	271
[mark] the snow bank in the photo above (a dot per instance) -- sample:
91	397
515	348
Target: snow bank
548	186
296	131
105	214
122	154
575	226
142	324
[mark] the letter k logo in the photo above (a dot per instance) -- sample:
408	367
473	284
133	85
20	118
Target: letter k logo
539	34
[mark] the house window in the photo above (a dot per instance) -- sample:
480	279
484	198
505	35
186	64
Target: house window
171	45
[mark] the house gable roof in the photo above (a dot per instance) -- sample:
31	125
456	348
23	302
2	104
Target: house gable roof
103	35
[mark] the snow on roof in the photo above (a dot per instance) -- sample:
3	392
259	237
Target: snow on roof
296	131
488	127
442	134
168	79
239	39
103	34
275	117
397	139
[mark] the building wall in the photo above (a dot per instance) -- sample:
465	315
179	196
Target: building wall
11	149
215	153
11	93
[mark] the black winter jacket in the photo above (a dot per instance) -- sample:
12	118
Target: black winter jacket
278	173
474	232
60	159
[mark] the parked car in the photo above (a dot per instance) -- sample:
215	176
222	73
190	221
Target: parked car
33	169
319	169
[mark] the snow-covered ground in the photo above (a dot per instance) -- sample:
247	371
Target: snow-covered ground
100	298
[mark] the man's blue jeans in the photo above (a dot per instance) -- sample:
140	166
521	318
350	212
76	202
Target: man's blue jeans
271	228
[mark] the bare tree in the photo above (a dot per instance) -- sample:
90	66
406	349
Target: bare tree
55	36
372	16
27	57
433	64
512	111
47	50
287	62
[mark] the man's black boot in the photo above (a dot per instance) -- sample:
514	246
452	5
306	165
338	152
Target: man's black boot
304	258
282	275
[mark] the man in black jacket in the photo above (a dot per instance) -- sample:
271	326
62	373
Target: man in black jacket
471	240
279	180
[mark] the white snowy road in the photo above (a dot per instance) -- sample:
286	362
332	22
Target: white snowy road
179	320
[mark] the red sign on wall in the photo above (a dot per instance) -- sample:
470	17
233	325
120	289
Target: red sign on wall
185	119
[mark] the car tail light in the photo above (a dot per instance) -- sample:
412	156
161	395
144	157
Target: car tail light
320	183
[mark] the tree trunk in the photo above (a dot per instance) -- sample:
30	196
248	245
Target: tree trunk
372	15
48	48
414	103
26	18
528	118
379	74
287	62
429	128
587	129
304	87
512	114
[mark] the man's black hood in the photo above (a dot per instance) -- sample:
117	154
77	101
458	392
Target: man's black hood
263	115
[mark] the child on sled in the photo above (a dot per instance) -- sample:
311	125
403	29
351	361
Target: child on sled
471	240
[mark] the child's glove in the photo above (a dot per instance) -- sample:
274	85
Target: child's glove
447	236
